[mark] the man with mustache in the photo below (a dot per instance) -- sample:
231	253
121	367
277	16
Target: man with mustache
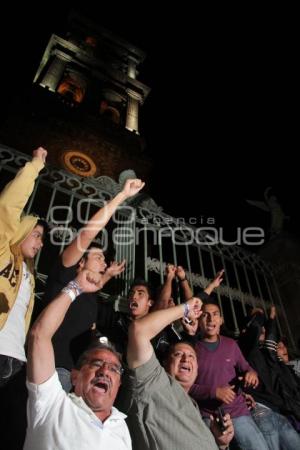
85	419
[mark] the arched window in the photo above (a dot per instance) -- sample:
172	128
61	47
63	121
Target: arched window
73	87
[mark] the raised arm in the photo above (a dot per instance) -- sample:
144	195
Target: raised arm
41	363
249	338
141	331
184	283
15	195
162	301
215	282
271	327
73	253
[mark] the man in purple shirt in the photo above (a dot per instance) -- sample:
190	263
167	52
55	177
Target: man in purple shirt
220	362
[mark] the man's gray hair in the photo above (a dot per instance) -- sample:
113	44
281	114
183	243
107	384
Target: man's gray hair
97	346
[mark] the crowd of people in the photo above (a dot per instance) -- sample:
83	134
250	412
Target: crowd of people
160	376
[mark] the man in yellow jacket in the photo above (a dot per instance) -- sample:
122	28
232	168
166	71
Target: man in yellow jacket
20	240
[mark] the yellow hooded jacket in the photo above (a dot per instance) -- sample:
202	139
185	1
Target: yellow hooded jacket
13	230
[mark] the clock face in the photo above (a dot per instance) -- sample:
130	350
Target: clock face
79	163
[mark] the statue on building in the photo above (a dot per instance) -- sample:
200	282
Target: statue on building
271	205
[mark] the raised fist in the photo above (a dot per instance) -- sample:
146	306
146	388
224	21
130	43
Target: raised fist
40	153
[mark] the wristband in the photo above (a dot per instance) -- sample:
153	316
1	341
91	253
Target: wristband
181	280
72	289
75	285
186	310
70	293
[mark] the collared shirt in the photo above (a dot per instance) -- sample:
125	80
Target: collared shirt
161	415
57	421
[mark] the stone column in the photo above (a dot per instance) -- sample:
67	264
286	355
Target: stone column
132	115
131	70
55	71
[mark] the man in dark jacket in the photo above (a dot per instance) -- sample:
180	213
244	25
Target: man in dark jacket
273	396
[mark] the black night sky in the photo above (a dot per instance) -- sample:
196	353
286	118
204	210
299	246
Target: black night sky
220	121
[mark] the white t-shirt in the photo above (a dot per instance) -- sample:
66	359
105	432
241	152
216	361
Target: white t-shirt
60	421
12	335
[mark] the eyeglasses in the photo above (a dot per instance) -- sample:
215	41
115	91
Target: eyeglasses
112	367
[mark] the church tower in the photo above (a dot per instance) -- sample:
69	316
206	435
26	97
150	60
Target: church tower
84	104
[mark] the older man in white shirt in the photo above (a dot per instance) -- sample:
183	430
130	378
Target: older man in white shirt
85	419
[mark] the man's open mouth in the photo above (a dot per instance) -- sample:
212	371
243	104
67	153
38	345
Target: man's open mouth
133	305
102	385
184	368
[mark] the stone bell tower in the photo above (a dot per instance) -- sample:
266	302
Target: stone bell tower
84	104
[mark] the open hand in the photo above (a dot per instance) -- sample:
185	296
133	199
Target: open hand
218	279
115	268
